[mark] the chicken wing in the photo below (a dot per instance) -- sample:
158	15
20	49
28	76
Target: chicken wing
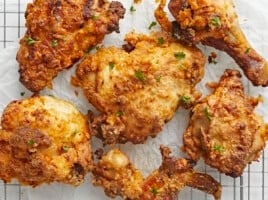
215	23
224	129
59	33
115	173
138	91
44	139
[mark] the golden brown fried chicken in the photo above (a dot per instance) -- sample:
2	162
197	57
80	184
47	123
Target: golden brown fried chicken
224	129
44	139
59	33
138	91
215	23
117	176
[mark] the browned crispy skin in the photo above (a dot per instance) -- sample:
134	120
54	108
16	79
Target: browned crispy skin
42	140
118	177
59	33
224	129
215	23
138	91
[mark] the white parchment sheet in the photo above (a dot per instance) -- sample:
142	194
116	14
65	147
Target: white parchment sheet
253	18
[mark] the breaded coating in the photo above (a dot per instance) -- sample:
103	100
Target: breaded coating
118	177
224	129
59	33
215	23
42	140
137	89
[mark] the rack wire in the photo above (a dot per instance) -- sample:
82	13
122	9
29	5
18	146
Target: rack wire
253	185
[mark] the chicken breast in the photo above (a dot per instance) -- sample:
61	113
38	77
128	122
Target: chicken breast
42	140
116	174
224	129
137	89
215	23
59	33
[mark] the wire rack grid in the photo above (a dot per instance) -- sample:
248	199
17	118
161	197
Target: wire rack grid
252	185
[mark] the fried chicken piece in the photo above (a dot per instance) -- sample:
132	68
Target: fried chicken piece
59	33
117	176
138	91
215	23
224	129
44	139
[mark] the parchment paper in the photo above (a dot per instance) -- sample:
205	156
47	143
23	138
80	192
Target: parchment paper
254	22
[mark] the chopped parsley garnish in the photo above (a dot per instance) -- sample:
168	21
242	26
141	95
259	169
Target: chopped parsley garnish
179	55
158	79
132	9
65	148
215	21
139	75
75	132
247	50
152	25
219	148
30	142
207	113
154	191
94	17
185	99
160	41
54	43
111	65
90	49
30	41
22	93
120	113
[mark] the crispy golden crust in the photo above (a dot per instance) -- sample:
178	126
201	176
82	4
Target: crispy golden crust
224	129
59	33
115	173
137	92
44	139
215	23
118	177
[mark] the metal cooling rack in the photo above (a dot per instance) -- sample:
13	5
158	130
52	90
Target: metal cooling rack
253	185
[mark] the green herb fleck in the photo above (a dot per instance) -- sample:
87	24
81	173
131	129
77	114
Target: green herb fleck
158	79
160	41
152	25
207	113
247	50
218	148
154	191
139	75
64	39
132	9
120	113
94	17
22	93
65	148
54	43
51	95
90	49
185	99
75	132
213	62
179	55
30	41
111	65
30	142
215	21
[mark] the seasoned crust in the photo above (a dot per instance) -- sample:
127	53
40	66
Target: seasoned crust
215	23
138	91
116	174
224	129
44	139
59	33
